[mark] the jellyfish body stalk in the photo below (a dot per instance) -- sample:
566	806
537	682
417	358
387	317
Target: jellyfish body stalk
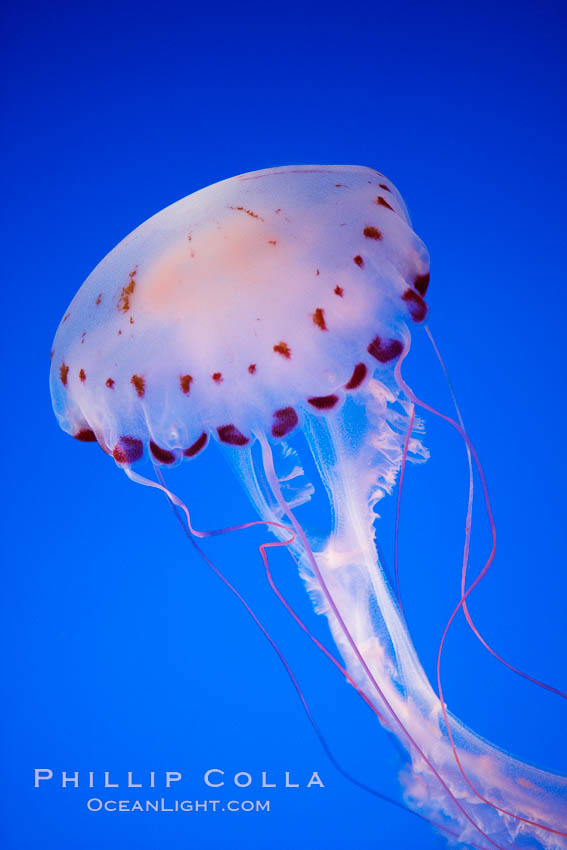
487	797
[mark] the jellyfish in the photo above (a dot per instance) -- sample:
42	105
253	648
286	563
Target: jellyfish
270	304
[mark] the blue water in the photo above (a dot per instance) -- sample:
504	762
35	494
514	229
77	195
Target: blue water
121	651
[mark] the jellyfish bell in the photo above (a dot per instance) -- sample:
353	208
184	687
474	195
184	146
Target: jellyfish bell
271	302
238	307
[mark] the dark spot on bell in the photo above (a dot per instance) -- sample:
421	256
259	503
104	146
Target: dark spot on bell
128	450
252	368
357	377
185	383
196	447
283	349
63	372
285	421
85	435
139	385
382	202
372	233
416	305
338	290
319	319
231	435
359	261
385	350
162	455
82	376
217	377
123	304
251	213
109	383
383	186
421	283
323	402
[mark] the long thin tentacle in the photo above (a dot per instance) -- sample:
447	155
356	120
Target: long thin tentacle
468	529
411	395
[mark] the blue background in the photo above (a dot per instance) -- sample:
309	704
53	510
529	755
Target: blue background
121	651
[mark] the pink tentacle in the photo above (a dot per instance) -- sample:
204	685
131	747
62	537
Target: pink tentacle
466	611
147	482
464	595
